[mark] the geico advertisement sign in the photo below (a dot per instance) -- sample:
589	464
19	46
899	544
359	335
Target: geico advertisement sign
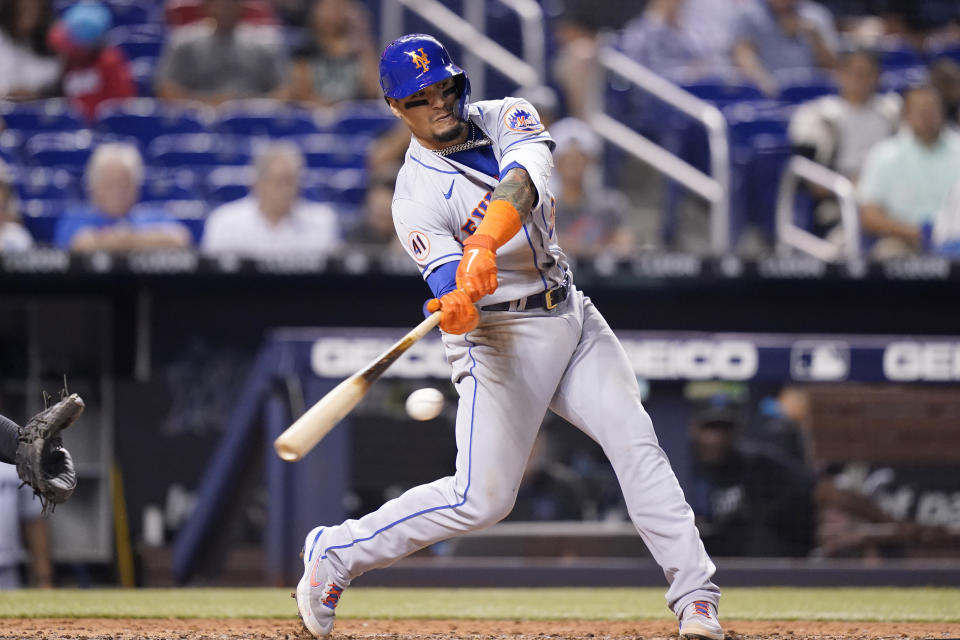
652	359
692	359
907	361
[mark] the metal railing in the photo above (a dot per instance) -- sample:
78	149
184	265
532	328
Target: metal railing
716	188
478	48
789	235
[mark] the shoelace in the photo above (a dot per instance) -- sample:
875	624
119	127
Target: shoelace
332	597
702	609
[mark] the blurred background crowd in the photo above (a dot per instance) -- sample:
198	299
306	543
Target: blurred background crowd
129	124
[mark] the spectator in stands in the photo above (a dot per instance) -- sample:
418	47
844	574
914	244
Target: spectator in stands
659	41
114	176
589	216
906	178
747	501
838	130
945	76
21	521
339	62
216	60
575	31
711	24
779	35
13	235
273	219
93	72
28	69
375	230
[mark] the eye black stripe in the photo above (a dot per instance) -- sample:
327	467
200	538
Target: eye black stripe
414	103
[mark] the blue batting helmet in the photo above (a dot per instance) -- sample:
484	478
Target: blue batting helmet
416	61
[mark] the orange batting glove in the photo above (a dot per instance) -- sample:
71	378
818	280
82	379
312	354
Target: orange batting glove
477	272
459	315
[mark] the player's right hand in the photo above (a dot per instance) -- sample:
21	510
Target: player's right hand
477	271
459	315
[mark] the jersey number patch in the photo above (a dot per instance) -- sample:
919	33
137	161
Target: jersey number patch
419	245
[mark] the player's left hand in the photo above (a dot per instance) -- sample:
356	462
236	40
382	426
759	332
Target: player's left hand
477	272
41	460
459	315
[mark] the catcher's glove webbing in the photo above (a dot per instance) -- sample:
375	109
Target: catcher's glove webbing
41	460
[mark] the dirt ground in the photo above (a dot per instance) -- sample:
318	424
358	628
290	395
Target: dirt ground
348	629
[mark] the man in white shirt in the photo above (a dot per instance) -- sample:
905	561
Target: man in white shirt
273	219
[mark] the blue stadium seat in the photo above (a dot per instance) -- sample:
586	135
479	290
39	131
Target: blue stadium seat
801	85
348	186
262	117
902	79
224	184
370	117
143	71
40	217
11	146
146	118
54	114
40	183
898	55
170	184
329	151
69	150
199	150
945	51
722	91
137	41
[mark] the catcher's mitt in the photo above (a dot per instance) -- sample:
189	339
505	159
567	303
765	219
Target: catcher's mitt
41	460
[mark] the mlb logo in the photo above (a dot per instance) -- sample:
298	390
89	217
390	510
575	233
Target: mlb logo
820	361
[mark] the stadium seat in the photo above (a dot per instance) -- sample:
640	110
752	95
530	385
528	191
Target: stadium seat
224	184
348	186
40	183
263	117
55	114
67	149
900	80
201	151
40	217
143	71
11	147
329	151
138	41
170	184
945	51
146	118
370	117
894	54
721	91
801	85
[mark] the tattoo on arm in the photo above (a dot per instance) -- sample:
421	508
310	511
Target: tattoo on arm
517	189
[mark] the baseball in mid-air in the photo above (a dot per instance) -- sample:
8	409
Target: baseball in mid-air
424	404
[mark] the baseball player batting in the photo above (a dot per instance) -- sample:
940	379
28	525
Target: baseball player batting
473	209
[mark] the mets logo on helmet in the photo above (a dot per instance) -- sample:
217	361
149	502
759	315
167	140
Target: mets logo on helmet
421	61
522	118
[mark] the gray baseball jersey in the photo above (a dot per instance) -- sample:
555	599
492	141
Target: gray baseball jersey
511	369
438	202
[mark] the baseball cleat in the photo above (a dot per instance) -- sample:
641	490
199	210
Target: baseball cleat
699	620
318	591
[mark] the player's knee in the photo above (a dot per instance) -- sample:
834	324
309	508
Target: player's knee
492	505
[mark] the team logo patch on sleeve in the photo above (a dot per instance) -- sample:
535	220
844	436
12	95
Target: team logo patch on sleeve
419	245
523	119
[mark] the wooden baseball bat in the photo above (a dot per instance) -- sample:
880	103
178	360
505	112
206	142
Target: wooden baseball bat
304	434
